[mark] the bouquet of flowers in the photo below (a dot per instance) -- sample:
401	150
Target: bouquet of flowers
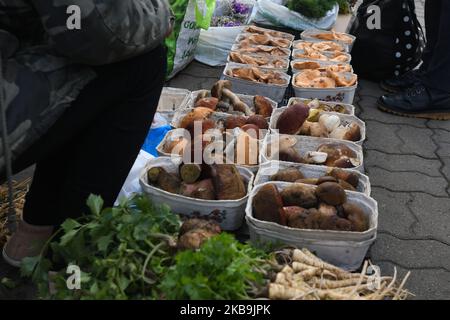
231	13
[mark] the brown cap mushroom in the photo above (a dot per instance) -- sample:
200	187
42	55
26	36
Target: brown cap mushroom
262	106
331	193
292	119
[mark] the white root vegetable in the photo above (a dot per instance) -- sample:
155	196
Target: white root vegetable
306	277
277	291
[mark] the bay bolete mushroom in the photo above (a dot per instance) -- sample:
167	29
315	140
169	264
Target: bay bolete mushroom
288	175
268	205
356	216
299	195
331	193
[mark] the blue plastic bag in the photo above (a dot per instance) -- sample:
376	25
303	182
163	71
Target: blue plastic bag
154	137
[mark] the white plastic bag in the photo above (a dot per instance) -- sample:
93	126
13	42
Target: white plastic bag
274	13
215	44
131	184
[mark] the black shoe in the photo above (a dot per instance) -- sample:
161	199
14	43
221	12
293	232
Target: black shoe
402	82
417	102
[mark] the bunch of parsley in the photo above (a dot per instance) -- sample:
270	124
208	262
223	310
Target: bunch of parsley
222	268
122	252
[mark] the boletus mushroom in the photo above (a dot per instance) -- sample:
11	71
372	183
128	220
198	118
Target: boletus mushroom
331	193
299	195
288	175
292	119
268	205
263	107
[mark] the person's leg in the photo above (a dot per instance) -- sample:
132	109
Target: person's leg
432	24
92	147
430	98
106	143
437	75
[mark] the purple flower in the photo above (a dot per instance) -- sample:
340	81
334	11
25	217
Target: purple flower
240	8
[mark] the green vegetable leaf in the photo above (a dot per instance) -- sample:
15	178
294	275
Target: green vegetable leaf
28	266
95	203
70	224
104	242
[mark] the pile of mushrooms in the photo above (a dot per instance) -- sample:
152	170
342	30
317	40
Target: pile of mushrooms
323	207
333	154
221	98
300	119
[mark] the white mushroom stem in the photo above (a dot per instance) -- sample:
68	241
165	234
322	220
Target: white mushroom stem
237	103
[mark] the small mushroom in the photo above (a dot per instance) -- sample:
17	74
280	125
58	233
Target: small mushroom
347	186
331	193
314	115
299	195
311	181
235	122
327	210
210	103
288	175
348	176
326	179
259	121
356	215
318	130
350	133
263	106
330	122
222	91
202	94
315	157
296	216
252	130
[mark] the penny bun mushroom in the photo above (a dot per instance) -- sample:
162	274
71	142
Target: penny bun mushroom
331	193
292	119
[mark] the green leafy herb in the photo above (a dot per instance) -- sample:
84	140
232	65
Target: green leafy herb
120	251
317	9
222	268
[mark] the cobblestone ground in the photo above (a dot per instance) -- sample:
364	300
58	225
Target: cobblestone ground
408	162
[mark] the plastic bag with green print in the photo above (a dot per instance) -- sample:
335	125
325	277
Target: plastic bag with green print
190	16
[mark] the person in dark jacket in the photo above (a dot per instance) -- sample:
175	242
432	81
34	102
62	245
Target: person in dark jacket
78	103
425	92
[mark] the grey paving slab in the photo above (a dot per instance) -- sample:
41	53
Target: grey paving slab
411	253
402	163
424	283
408	182
400	139
413	215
